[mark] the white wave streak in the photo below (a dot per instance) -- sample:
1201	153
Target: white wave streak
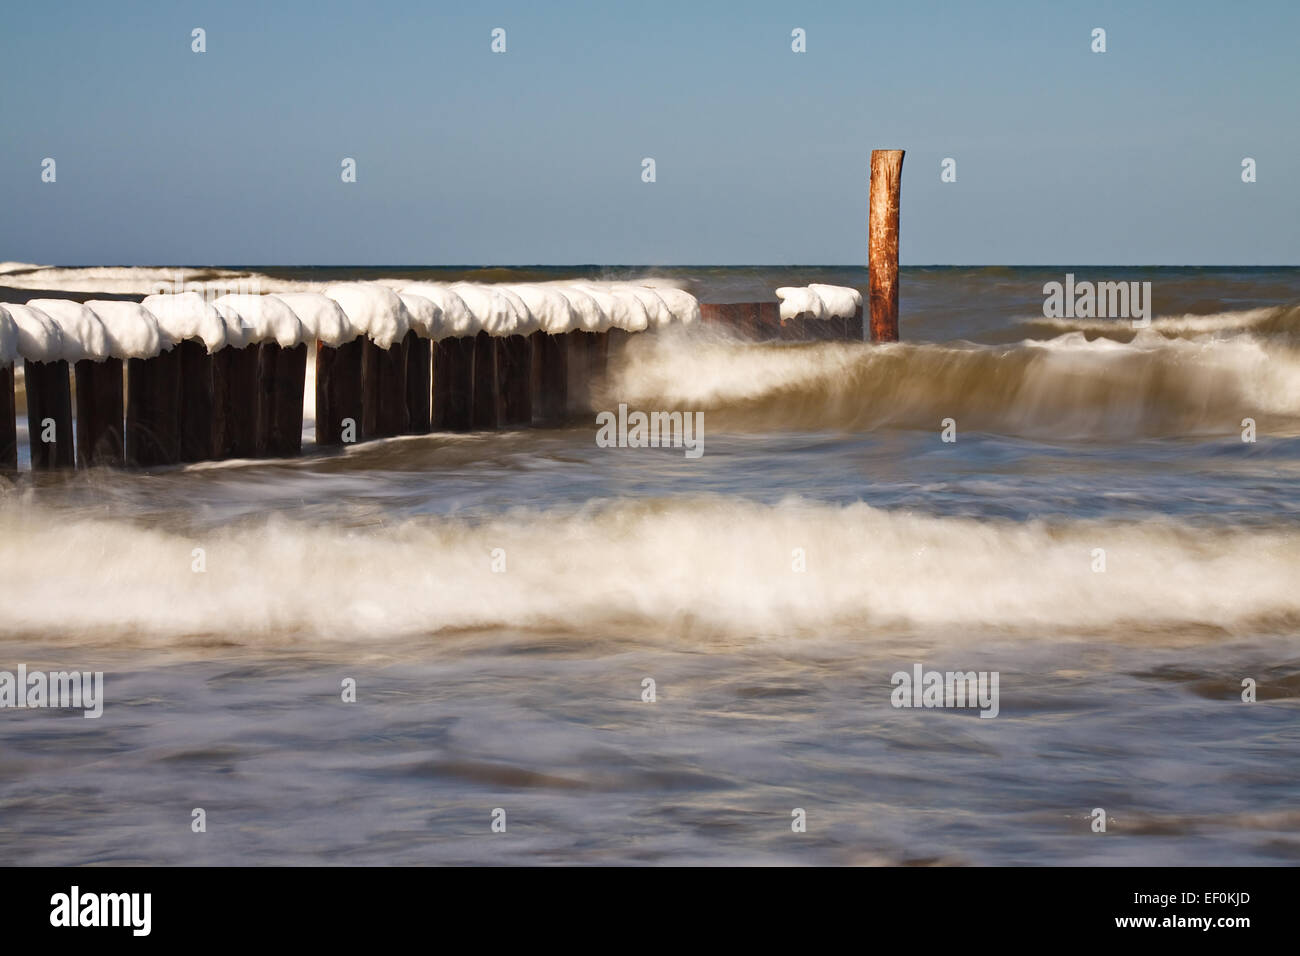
681	569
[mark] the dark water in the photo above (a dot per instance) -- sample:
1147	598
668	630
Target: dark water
500	598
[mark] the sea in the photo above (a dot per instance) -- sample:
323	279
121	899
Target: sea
526	648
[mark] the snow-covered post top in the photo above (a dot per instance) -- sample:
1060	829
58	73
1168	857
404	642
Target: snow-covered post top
819	301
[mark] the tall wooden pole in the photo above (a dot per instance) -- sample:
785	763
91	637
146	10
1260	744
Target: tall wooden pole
882	242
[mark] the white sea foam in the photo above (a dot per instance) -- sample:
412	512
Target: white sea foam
678	568
144	280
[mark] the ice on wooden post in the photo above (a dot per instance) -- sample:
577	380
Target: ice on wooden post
819	312
234	388
225	379
200	331
151	434
99	409
39	340
417	360
274	338
378	314
338	364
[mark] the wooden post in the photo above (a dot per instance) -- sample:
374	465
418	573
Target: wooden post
795	329
49	397
281	375
882	242
767	321
153	409
739	317
100	413
196	400
338	391
550	379
586	369
597	363
234	400
8	421
453	384
417	371
383	390
575	363
515	380
616	342
486	408
829	329
853	326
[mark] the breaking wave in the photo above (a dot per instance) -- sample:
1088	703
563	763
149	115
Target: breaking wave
679	569
1068	387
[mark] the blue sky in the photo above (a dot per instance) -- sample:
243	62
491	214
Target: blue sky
1064	156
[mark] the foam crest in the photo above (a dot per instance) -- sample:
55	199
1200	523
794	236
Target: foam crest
681	569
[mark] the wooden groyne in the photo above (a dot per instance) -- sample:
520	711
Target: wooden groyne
187	405
179	379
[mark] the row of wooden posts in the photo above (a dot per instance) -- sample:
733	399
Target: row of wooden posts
186	405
